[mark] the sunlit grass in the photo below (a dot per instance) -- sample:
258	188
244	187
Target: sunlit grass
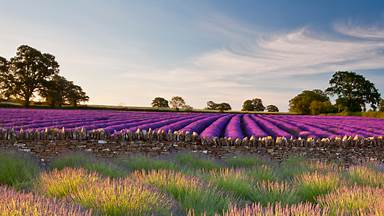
122	197
61	183
244	161
14	203
275	192
17	170
191	161
78	160
255	209
311	185
190	192
145	163
362	175
354	201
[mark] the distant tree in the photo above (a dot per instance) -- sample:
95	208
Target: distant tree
381	106
187	108
75	94
255	104
346	105
301	103
177	102
211	105
55	90
160	102
223	107
352	89
272	108
318	107
218	106
28	70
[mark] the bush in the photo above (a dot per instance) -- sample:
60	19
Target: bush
145	163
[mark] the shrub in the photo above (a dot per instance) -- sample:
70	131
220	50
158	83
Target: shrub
262	173
122	197
14	203
61	183
17	170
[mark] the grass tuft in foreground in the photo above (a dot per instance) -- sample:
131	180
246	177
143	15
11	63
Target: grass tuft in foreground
190	192
268	193
354	201
311	185
362	175
14	203
122	197
244	161
61	183
17	170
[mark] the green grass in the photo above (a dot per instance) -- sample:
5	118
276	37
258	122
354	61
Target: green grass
275	192
292	167
244	161
145	163
17	170
78	160
193	161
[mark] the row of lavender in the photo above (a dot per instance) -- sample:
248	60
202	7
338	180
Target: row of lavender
96	124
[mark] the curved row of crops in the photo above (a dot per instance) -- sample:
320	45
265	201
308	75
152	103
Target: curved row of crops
206	125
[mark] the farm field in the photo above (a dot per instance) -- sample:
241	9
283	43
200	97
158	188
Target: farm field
205	125
187	184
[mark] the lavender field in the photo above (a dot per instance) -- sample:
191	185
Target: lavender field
206	125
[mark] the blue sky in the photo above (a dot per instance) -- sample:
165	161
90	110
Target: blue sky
128	52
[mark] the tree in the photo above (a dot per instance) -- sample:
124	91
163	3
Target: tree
223	107
54	90
255	104
218	106
352	89
272	108
177	102
160	102
381	105
211	105
28	70
301	103
318	107
75	94
187	108
4	76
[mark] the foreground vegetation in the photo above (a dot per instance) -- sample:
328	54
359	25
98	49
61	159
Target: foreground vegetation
187	184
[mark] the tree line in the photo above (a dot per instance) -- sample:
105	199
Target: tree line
32	73
353	93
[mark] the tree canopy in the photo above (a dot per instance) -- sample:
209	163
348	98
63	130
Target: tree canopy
255	104
218	106
159	102
177	102
272	108
353	91
301	103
